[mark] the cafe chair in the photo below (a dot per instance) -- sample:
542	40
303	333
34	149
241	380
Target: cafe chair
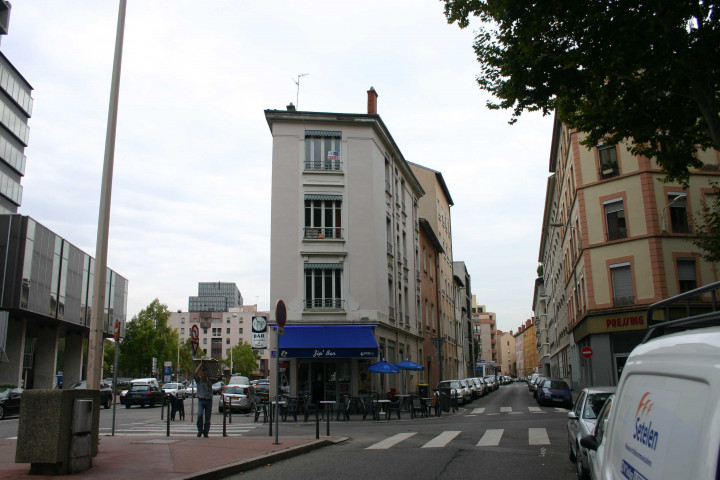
417	407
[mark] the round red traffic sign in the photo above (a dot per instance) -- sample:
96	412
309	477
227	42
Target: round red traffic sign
194	332
586	352
280	313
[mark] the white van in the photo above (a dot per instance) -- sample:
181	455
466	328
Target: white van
664	422
149	381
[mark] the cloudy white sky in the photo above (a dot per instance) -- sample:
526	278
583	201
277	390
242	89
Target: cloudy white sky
191	190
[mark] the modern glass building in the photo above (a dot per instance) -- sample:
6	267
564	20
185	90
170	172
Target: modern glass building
215	297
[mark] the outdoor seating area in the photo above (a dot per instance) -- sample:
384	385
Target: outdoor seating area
367	407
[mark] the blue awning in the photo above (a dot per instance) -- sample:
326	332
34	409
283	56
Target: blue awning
328	341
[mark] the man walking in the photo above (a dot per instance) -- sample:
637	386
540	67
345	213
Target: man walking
205	398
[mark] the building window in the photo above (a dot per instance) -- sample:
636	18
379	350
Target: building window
322	150
182	320
678	213
182	331
323	216
607	155
227	341
204	341
323	286
240	330
227	320
686	274
204	331
228	331
622	284
615	218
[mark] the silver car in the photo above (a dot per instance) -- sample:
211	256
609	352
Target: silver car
581	421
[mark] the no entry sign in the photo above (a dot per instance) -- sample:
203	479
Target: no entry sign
586	352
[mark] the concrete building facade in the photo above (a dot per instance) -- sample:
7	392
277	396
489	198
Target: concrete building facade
345	255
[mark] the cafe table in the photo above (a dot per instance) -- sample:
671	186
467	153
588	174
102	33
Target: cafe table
382	402
404	400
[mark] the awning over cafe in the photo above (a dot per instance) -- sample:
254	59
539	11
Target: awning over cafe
328	341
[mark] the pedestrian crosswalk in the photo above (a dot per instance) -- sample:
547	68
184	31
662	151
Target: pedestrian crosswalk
177	429
490	438
509	410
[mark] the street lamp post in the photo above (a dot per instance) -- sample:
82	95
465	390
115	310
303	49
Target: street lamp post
664	217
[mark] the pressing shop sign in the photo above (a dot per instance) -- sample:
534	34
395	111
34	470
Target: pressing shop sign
259	332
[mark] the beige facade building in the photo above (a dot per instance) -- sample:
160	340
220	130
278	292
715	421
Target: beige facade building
520	354
485	331
530	347
615	239
345	250
435	207
506	353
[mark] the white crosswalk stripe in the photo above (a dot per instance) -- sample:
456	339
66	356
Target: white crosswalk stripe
535	409
505	409
441	440
478	410
538	436
389	442
491	438
184	429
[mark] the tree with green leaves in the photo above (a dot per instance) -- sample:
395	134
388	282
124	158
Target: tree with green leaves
244	359
148	336
707	226
642	71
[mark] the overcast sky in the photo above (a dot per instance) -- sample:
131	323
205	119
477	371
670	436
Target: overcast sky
191	188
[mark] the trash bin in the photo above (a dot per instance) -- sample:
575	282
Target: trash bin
423	390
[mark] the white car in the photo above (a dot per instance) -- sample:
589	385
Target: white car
176	389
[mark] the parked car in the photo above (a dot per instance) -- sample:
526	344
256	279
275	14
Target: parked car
178	390
106	391
481	386
474	388
554	391
239	380
492	382
191	388
262	389
665	415
238	397
531	380
534	385
217	387
10	401
143	394
467	391
452	388
581	421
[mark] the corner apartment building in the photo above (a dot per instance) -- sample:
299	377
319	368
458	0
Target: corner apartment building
615	239
506	353
463	324
345	250
485	330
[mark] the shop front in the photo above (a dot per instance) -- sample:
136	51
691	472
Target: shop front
327	361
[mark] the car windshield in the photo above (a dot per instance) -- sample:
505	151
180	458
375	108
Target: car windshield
594	404
171	385
140	388
236	390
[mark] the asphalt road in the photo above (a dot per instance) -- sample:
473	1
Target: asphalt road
504	435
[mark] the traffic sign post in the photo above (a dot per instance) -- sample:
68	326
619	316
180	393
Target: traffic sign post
280	319
586	352
194	342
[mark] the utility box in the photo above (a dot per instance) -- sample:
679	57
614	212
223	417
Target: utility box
58	430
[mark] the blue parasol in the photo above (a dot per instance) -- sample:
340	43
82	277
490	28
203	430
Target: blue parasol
408	365
383	367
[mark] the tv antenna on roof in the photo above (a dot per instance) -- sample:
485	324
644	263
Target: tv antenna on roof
297	82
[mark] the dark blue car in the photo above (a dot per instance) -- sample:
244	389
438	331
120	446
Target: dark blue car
554	391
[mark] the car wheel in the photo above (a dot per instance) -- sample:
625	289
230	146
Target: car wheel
2	412
107	403
571	453
582	473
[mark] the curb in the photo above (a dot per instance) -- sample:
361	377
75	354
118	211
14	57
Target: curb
260	461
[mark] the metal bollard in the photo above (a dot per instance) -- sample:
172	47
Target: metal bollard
317	424
225	414
167	434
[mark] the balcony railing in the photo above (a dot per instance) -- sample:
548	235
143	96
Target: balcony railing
407	319
325	304
391	313
417	275
387	186
315	233
623	301
323	165
389	248
609	169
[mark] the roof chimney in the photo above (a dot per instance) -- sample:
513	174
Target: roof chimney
372	101
291	107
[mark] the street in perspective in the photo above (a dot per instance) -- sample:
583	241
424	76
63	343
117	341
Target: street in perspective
435	239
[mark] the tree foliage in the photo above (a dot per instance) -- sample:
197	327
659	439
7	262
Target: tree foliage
642	71
244	359
707	226
148	336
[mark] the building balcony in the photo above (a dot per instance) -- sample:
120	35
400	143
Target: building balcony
387	186
323	166
322	233
617	234
391	313
389	248
417	275
325	304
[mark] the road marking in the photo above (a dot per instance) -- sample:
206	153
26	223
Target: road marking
505	409
441	440
491	438
389	442
538	436
535	409
478	410
516	413
558	409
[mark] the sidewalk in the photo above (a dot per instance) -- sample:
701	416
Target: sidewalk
161	457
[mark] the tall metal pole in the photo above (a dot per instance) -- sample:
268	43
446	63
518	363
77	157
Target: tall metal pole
95	341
